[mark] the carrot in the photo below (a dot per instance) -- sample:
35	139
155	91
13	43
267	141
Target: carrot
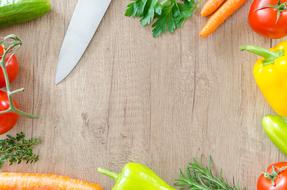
219	17
211	6
25	181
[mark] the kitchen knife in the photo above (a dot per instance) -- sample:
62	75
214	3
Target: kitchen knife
84	23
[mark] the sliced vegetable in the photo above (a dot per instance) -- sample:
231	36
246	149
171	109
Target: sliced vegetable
276	129
25	181
14	12
211	6
167	15
269	18
275	178
270	73
221	15
18	149
198	177
136	176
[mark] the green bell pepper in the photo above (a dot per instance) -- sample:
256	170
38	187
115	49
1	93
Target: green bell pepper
136	176
276	128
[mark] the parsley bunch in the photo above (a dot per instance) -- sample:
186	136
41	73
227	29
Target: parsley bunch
17	149
164	15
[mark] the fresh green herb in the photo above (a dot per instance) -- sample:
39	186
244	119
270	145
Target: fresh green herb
164	15
17	149
199	177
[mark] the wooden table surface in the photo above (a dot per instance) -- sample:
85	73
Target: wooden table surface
160	102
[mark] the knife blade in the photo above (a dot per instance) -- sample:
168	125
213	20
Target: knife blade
83	25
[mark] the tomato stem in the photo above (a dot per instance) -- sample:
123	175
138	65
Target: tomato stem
5	111
274	174
279	7
17	91
10	44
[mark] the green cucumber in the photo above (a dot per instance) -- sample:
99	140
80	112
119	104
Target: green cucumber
19	11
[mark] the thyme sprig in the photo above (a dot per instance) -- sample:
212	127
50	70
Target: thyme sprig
18	149
198	177
10	45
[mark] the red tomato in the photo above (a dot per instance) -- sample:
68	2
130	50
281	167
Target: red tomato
12	68
279	176
7	120
266	21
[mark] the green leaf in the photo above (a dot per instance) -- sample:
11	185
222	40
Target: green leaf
136	8
149	12
158	27
163	15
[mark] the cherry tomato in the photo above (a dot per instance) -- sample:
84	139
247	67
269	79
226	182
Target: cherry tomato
7	120
269	21
275	177
12	68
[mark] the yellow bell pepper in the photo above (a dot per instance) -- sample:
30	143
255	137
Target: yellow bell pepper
270	73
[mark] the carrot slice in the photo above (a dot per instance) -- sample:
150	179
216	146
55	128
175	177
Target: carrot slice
222	14
211	6
25	181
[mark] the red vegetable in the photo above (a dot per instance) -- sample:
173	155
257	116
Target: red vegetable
269	18
12	68
7	120
275	178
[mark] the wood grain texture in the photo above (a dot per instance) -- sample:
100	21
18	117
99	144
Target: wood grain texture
159	101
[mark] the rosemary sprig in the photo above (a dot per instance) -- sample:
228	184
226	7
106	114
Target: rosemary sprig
17	149
198	177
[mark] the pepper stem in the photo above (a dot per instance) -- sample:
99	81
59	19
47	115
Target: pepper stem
269	56
108	173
